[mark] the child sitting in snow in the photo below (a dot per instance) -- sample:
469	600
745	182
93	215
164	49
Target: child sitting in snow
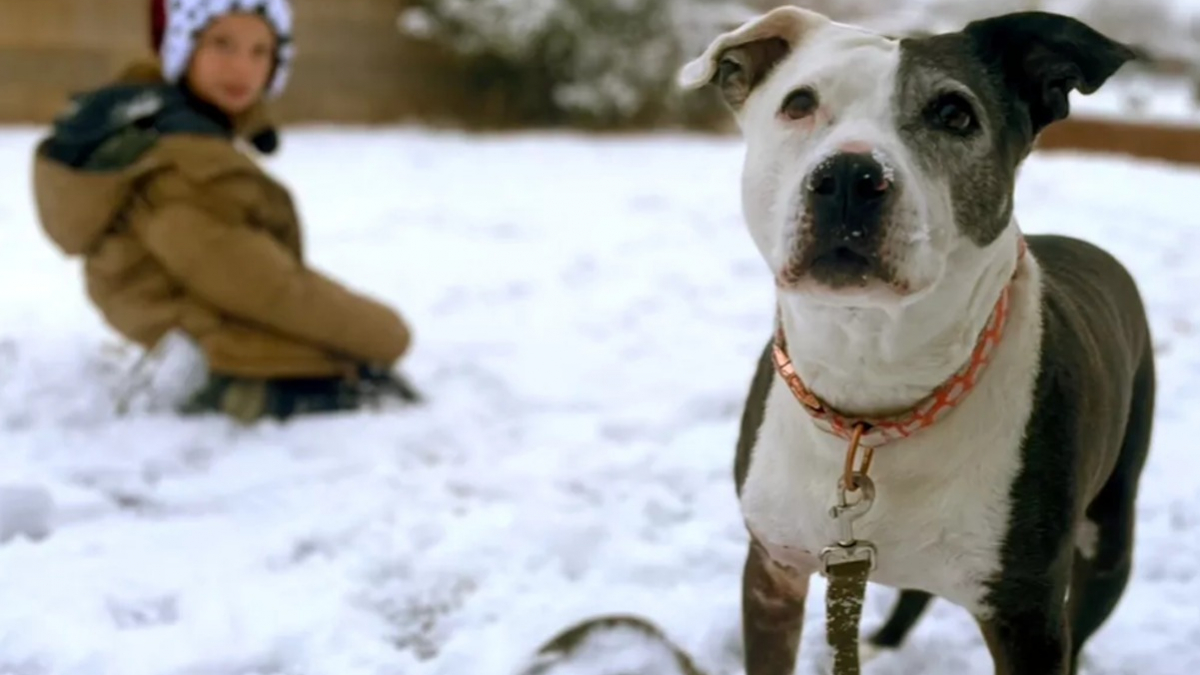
183	233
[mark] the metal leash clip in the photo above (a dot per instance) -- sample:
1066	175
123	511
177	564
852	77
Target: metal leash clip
849	549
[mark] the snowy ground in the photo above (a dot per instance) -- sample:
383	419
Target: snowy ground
587	313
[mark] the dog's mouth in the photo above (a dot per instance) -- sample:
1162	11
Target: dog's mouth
838	267
841	266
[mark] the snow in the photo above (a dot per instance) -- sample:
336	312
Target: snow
587	314
24	511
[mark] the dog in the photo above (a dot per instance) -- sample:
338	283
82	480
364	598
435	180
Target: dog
1006	382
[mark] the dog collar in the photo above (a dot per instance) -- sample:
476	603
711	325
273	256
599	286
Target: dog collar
872	433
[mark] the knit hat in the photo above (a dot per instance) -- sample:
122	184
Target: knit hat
175	24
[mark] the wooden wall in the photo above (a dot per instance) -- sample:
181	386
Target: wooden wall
1171	143
353	65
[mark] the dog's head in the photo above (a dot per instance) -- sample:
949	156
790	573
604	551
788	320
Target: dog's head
872	162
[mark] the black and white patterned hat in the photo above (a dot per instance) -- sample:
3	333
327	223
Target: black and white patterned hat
176	23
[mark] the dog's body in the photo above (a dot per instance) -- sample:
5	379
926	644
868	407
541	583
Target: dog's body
1036	471
878	186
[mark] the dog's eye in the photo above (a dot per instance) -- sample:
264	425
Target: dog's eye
953	113
800	104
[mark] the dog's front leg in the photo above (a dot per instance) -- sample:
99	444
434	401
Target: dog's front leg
1029	641
773	597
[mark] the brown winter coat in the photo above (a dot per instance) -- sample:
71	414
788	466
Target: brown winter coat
195	235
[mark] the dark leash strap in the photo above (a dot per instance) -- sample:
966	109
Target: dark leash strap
843	613
569	643
848	565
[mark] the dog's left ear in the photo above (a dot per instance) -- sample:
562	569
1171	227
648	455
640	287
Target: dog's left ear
738	61
1044	56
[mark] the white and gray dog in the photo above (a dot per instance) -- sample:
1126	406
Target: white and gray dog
1007	382
1000	387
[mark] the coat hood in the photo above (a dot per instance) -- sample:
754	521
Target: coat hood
85	172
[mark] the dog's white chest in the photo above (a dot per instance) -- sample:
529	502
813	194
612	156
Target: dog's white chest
937	527
942	503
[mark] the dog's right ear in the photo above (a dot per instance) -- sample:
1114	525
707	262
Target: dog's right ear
738	61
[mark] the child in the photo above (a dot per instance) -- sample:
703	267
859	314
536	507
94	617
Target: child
181	232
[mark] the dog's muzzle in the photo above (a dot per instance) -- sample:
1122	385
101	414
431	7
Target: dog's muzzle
847	197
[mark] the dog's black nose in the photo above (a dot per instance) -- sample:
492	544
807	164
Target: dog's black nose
846	194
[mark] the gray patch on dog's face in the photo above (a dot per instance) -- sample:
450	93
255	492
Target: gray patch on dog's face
1017	72
979	167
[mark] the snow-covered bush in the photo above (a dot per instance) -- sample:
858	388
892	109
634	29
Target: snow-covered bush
591	62
607	63
1159	26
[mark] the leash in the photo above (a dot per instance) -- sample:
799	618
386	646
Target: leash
589	637
847	564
